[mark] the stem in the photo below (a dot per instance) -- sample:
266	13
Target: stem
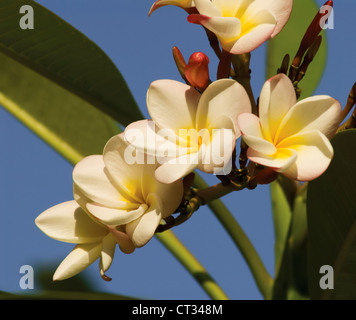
263	279
171	242
241	64
224	65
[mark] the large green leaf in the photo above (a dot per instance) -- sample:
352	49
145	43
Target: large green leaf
331	207
63	55
66	122
288	40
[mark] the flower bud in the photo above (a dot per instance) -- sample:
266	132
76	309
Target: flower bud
312	33
197	70
180	62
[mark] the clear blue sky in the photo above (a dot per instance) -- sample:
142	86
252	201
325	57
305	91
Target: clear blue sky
33	177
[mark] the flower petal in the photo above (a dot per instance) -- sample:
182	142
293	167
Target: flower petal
81	257
277	97
225	28
185	4
314	154
224	97
315	113
255	30
217	154
125	176
91	178
114	217
177	168
68	222
172	104
145	137
281	9
123	240
142	229
252	134
207	8
171	195
279	161
107	255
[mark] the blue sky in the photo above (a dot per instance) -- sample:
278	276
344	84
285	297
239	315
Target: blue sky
33	177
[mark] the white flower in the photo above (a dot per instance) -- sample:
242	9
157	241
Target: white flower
291	137
242	25
115	203
190	130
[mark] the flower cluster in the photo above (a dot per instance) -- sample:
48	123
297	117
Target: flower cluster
121	196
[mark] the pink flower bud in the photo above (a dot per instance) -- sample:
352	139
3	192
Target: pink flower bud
197	70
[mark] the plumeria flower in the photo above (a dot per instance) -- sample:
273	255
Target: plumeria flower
115	203
242	25
190	130
185	4
291	137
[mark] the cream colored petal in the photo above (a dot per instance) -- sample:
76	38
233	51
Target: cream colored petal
280	161
142	229
145	136
91	178
68	222
249	41
185	4
281	9
252	134
314	154
223	97
81	257
217	154
207	8
277	97
225	28
177	168
124	175
320	113
172	104
107	255
123	240
232	8
114	217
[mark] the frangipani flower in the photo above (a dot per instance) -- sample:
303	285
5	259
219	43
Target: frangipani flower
190	130
242	25
115	203
291	137
184	4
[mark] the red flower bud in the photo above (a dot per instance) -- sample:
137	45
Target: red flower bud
197	70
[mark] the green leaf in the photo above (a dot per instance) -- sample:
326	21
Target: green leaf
289	213
66	57
288	40
282	194
66	122
331	207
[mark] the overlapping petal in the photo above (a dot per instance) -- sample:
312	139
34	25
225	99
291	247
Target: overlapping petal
142	229
81	257
68	222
